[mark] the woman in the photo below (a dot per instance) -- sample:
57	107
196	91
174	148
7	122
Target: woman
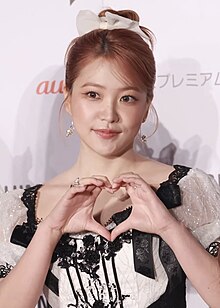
112	231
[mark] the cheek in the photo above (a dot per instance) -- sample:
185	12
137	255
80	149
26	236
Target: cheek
134	118
81	112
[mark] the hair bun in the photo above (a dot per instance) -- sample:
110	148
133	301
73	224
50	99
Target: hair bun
124	13
132	15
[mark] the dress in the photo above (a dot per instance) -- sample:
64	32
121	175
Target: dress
137	270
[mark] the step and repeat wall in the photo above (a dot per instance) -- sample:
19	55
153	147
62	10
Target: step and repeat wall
34	36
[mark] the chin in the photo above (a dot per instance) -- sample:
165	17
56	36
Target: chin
110	154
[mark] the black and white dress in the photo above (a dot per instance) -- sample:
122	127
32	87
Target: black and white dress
137	270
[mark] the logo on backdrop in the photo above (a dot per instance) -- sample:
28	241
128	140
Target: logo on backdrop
170	80
50	87
188	80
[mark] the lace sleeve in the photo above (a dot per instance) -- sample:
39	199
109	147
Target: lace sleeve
12	212
200	210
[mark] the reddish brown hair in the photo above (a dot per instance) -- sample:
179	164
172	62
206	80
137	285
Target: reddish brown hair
123	47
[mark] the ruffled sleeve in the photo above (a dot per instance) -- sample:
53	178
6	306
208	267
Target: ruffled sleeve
12	212
200	210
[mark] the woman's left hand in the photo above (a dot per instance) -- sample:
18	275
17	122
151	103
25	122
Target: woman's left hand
149	214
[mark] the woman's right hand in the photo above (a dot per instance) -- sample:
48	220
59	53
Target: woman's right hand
74	211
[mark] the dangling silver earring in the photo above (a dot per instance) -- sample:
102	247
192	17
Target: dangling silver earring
142	136
70	130
153	119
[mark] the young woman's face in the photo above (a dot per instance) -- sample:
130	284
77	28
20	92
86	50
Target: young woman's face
107	111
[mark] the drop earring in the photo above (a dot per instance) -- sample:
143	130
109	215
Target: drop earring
70	130
152	114
143	137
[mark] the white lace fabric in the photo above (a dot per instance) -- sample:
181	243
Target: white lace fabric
12	213
200	212
200	209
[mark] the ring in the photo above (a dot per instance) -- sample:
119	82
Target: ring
75	183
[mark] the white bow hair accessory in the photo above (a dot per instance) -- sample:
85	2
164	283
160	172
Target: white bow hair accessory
87	21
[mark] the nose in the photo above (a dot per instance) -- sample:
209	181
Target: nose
109	112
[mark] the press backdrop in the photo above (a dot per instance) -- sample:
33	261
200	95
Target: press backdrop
34	36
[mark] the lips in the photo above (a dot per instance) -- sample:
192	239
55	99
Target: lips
106	133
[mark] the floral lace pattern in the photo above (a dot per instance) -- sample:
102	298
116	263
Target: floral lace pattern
5	269
94	252
90	269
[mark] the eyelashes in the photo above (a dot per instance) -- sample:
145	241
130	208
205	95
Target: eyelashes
92	95
125	98
128	99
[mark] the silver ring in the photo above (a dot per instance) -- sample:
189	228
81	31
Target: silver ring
75	183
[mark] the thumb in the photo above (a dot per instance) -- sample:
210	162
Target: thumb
94	191
121	228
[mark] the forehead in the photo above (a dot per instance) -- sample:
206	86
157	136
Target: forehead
103	70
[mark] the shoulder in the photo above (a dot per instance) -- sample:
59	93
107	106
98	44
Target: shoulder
202	192
200	211
155	172
57	186
200	181
11	199
12	209
12	213
50	193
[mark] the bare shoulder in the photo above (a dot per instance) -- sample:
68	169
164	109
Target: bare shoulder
54	186
51	192
155	172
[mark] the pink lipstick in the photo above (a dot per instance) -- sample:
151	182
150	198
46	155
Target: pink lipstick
106	133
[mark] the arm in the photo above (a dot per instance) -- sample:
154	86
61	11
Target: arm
28	276
150	215
72	214
201	268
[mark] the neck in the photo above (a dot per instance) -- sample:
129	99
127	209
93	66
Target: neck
90	163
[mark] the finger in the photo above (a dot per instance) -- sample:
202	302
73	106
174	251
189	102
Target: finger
121	180
94	190
73	191
128	176
89	181
135	180
118	183
130	181
107	184
97	228
121	228
139	187
110	189
104	179
92	187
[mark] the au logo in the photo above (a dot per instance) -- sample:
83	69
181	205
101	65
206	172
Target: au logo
47	87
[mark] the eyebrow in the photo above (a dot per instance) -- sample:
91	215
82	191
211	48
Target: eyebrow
87	84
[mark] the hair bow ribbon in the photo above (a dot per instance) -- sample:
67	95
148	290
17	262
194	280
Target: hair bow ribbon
87	21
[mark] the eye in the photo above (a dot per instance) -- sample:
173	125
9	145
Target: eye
93	95
128	99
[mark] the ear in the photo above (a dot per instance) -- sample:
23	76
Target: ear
67	100
146	111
